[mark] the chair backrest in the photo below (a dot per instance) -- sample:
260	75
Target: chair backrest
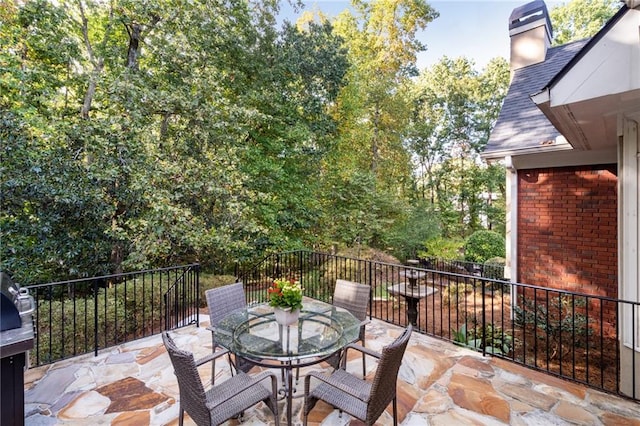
223	300
192	395
383	387
354	297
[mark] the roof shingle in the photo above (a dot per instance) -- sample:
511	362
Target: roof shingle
521	125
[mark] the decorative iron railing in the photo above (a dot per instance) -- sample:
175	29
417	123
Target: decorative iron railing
580	337
569	335
84	315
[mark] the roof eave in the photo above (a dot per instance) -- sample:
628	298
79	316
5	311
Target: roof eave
562	119
499	155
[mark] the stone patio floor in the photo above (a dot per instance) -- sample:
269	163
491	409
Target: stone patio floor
439	384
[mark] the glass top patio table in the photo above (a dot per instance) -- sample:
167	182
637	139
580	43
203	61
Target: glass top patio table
322	329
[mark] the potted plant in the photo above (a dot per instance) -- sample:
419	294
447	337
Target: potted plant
285	295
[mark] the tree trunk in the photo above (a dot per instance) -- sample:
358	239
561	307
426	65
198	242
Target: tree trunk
133	52
91	90
164	126
117	250
374	143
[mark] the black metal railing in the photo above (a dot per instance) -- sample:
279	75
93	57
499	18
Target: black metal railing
566	334
84	315
485	270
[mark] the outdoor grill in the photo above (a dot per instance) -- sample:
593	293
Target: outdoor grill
16	339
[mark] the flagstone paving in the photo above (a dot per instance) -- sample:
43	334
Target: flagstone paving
439	384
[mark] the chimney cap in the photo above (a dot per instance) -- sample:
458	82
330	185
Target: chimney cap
528	13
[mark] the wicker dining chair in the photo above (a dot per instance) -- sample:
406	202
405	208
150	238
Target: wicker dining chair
354	297
221	301
221	402
363	400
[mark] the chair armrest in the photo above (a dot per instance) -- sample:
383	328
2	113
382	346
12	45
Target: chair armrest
363	349
331	381
211	357
268	375
359	348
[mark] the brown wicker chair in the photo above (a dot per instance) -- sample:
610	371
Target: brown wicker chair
221	301
363	400
354	297
221	402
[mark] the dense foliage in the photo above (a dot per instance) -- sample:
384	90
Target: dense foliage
456	107
578	19
484	245
140	134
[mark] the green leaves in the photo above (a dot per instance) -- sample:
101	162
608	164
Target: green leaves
49	208
141	134
483	245
454	109
580	19
153	133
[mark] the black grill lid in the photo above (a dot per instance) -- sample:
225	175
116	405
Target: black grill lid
9	315
9	295
8	287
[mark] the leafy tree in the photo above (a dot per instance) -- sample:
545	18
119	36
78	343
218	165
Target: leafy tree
185	128
354	209
141	134
580	19
48	209
407	235
455	108
371	112
373	108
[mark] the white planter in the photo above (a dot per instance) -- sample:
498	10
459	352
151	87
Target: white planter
286	316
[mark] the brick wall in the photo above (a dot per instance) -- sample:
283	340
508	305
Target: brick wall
567	229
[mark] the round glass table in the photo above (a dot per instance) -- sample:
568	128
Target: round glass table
321	331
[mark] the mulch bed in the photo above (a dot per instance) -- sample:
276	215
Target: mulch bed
593	363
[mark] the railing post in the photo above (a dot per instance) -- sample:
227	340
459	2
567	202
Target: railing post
371	283
166	311
197	271
484	321
95	316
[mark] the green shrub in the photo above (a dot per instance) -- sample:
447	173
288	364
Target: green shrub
209	281
483	245
454	292
494	339
560	322
406	236
67	325
445	248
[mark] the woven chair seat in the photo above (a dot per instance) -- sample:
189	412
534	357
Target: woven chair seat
354	398
222	401
224	407
363	400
